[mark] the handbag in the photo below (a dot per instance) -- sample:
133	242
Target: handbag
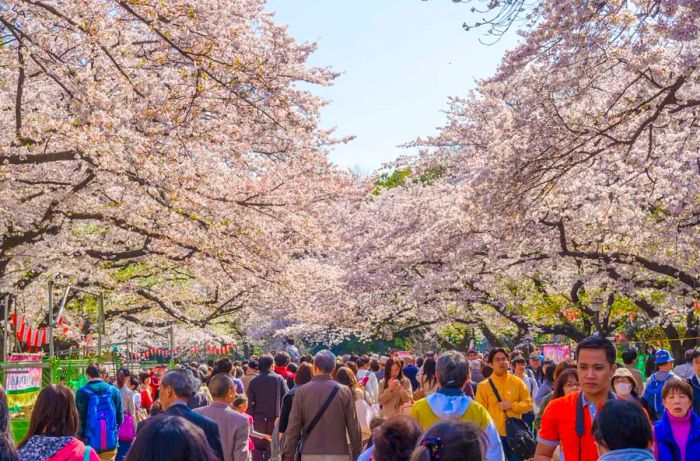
140	415
126	430
518	435
305	433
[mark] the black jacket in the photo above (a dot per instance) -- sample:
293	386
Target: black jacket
286	409
262	398
209	426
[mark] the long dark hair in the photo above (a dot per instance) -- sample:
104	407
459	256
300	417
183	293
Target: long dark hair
429	371
346	377
387	371
54	414
304	374
562	379
122	374
7	448
170	438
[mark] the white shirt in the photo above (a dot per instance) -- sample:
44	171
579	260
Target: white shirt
371	386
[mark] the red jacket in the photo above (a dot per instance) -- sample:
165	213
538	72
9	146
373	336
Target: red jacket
285	373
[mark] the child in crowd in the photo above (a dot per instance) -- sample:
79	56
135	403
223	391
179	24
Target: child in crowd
240	404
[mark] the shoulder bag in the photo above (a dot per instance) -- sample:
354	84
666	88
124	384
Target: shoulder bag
305	433
518	435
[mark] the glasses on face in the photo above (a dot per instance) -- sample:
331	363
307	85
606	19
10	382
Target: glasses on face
572	385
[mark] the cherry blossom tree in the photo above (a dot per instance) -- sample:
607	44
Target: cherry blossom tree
161	151
571	174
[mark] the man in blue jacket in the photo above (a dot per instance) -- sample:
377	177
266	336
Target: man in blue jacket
176	387
652	399
99	409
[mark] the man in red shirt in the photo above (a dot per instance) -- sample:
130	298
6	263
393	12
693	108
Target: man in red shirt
567	420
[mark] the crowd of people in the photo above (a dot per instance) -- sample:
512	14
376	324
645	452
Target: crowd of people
497	406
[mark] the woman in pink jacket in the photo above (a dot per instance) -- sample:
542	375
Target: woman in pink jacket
52	429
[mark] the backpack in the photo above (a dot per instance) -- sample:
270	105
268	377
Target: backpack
101	424
652	395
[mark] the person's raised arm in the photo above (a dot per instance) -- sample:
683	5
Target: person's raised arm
405	390
385	394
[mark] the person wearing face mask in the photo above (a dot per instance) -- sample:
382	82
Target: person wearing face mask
625	386
677	434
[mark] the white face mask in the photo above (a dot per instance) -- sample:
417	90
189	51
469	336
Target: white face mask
623	388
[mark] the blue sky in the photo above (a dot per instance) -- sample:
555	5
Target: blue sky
400	60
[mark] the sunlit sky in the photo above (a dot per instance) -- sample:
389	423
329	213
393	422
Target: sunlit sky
400	60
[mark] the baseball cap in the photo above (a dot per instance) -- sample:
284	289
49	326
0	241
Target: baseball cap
383	359
663	356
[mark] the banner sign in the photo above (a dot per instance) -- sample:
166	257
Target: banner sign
556	353
22	385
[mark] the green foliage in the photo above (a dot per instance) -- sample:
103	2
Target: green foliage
147	276
397	178
89	228
391	180
431	175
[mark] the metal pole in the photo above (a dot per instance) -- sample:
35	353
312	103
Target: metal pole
4	331
100	323
50	330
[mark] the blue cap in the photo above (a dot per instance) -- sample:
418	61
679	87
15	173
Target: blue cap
663	356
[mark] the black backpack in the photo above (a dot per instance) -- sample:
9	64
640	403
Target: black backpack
518	436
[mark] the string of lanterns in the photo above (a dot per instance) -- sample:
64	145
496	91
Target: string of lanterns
211	349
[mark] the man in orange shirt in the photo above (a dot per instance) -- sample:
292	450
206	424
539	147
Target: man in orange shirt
567	420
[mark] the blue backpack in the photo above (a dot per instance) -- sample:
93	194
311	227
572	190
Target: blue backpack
101	425
652	394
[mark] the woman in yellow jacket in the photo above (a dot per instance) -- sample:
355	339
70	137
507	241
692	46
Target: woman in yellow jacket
394	390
